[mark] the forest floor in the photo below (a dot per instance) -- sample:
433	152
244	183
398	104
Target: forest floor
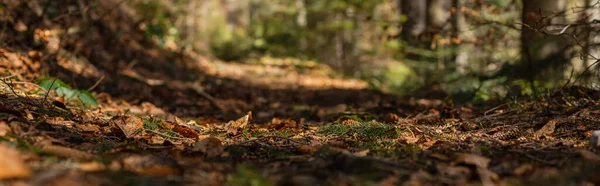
178	118
287	127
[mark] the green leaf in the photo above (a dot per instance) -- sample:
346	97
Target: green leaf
87	98
47	82
67	92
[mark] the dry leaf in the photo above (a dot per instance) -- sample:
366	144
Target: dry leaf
210	146
409	138
60	121
130	125
547	129
151	109
12	164
186	131
428	143
233	126
156	140
279	124
88	128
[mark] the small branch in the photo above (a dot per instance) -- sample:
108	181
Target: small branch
96	84
47	92
9	84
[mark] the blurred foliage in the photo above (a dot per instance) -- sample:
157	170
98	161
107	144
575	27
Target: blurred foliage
468	58
65	91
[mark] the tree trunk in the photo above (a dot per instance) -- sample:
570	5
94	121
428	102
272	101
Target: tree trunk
416	11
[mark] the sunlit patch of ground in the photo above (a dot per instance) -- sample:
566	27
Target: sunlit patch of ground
279	73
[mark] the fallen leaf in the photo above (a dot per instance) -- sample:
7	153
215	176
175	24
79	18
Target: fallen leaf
12	164
88	128
186	131
156	140
210	146
233	126
429	142
279	124
60	121
409	138
152	109
130	125
547	129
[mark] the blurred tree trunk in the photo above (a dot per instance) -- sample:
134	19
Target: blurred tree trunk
416	12
545	55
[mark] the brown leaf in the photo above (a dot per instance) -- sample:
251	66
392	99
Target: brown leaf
233	126
60	121
12	164
279	124
429	142
210	146
151	109
409	138
547	129
186	131
130	125
88	128
156	140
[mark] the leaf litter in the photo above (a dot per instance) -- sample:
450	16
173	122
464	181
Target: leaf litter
155	127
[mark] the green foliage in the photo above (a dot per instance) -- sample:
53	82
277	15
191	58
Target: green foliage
64	90
247	176
157	21
368	130
151	124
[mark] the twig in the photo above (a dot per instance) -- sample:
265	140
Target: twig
166	135
47	92
493	109
96	84
9	85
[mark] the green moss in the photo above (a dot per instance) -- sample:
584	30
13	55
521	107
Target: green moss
368	130
151	123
